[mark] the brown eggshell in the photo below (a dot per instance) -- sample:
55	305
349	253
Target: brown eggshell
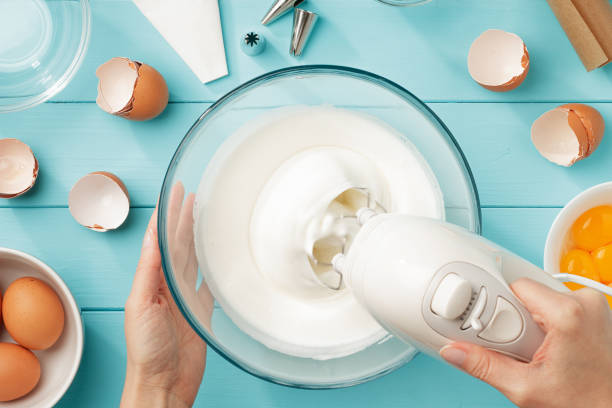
116	180
18	168
131	89
568	133
514	82
498	60
19	371
592	121
33	313
99	201
580	132
150	95
116	80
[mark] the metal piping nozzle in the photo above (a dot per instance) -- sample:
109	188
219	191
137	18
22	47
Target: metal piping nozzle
303	21
279	8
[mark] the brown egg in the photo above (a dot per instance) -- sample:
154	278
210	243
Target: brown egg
131	89
33	313
19	371
0	312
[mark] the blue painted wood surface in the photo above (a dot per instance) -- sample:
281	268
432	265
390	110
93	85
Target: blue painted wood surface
422	48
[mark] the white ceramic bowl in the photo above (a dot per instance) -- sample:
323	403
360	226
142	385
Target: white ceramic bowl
59	364
557	240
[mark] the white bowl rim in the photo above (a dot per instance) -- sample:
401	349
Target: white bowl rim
74	308
554	230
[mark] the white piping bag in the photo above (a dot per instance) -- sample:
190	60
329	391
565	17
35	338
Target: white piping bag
193	29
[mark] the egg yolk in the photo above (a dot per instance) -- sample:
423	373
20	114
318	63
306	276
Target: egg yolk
602	257
579	262
593	229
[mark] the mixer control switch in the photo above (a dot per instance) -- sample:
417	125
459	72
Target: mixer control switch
452	297
506	324
473	319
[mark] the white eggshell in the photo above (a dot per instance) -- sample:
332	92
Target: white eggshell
498	60
117	79
18	168
99	201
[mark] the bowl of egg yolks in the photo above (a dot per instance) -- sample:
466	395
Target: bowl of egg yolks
580	239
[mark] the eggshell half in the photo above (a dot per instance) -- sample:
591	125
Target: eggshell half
498	60
19	371
131	89
99	201
568	133
18	168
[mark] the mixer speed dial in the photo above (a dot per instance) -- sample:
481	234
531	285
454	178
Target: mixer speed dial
452	297
493	317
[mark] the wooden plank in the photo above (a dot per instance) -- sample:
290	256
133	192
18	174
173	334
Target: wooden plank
422	48
423	383
71	140
98	267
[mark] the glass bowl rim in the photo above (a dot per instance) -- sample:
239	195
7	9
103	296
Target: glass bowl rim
67	75
318	69
401	3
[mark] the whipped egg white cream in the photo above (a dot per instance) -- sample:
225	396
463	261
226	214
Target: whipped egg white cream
272	189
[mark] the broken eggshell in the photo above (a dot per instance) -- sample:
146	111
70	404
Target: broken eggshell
498	60
131	89
99	201
18	168
568	133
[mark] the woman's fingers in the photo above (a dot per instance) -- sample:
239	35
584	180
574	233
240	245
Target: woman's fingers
508	375
184	250
174	207
546	305
206	302
147	279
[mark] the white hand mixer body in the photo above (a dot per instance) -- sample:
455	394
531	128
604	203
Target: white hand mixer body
431	283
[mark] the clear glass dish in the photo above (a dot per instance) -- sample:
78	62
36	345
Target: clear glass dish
42	45
307	85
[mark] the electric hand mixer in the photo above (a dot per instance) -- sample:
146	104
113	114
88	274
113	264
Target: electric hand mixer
430	283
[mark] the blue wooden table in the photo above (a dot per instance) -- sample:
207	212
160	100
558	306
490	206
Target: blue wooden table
422	48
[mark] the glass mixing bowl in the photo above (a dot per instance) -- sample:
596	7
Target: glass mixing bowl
42	45
308	85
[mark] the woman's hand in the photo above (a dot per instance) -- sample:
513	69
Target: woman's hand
166	358
572	368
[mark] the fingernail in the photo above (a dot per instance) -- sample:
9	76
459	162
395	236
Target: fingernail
453	355
148	238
